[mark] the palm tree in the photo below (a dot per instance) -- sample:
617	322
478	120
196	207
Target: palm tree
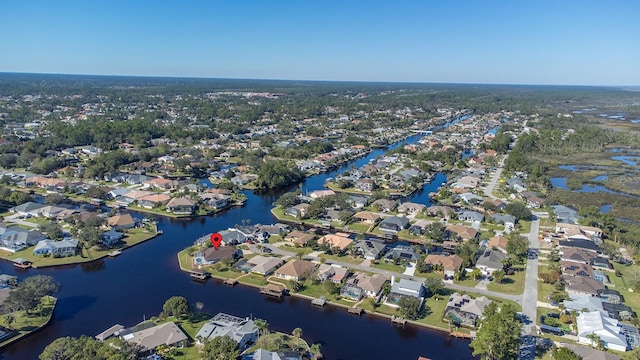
476	273
596	341
297	333
263	326
199	306
315	352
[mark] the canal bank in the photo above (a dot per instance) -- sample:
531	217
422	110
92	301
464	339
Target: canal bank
134	286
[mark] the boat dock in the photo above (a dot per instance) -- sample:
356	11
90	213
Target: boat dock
272	290
458	334
22	263
319	301
231	282
114	253
356	310
199	275
398	320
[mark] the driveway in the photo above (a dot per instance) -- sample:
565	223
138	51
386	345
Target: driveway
530	295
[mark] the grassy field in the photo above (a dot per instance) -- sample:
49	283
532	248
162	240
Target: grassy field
622	284
347	258
389	266
511	284
278	212
24	323
132	237
359	227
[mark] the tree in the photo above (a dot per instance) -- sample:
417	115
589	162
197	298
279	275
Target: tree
53	230
330	287
263	326
476	273
27	295
519	210
315	351
411	308
435	231
220	348
499	336
518	246
498	276
596	340
176	306
564	353
434	285
297	333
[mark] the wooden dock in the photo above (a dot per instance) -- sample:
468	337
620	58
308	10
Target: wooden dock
398	320
319	301
272	290
458	334
231	282
356	310
22	263
114	253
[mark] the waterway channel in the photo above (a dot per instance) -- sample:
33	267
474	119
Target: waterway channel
134	286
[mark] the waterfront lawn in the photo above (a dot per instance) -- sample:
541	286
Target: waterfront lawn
359	227
278	212
346	258
623	283
388	266
276	341
24	323
511	284
253	280
132	237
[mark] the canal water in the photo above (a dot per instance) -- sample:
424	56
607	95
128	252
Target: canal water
134	286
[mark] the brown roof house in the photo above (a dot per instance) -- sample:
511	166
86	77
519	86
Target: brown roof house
167	334
366	217
295	270
299	237
121	222
181	206
212	255
363	285
340	241
153	200
578	285
450	264
499	242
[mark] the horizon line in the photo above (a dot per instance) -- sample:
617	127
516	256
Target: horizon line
313	80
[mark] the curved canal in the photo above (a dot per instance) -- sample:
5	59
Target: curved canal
134	286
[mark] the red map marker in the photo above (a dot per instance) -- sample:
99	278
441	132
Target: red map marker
216	239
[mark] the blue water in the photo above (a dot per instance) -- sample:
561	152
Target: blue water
605	208
601	178
627	159
561	183
568	167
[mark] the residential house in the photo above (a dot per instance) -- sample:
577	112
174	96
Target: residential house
15	238
295	270
582	302
215	201
365	185
516	184
298	237
263	265
321	193
410	208
393	224
402	252
606	328
297	211
385	205
578	232
111	237
499	243
340	241
370	249
333	273
181	205
28	208
440	211
149	339
211	255
243	331
589	353
61	248
234	236
358	202
153	200
618	311
576	269
463	232
471	216
565	214
405	288
490	261
507	220
465	310
579	243
578	285
363	285
366	217
470	198
121	222
160	183
449	263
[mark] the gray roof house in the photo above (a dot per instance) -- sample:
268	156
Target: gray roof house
505	219
393	224
16	238
490	261
242	331
469	215
66	247
27	208
405	288
168	334
402	252
370	249
465	310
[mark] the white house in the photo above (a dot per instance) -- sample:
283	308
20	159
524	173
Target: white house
597	322
66	247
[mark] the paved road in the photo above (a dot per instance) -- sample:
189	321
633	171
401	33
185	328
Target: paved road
492	184
276	250
530	295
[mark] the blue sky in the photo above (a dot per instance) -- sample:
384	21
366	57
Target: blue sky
506	42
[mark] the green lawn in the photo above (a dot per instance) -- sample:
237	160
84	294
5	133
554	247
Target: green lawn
389	266
468	281
346	258
295	250
278	212
525	226
133	237
359	227
622	284
24	323
544	291
253	279
511	284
